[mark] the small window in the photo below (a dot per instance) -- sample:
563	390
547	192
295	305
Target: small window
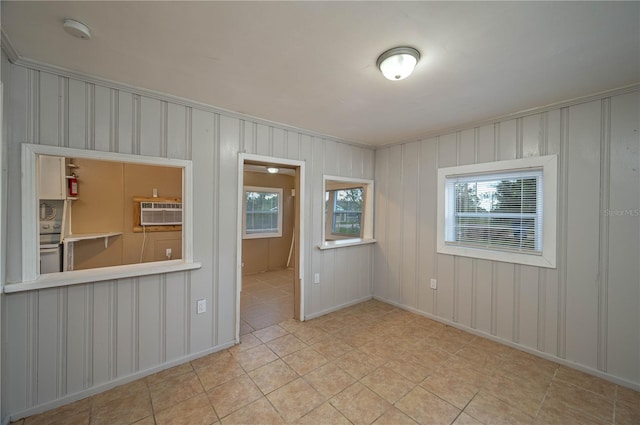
503	211
348	212
344	211
262	212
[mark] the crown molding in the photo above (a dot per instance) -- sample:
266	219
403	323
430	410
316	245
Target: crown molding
532	111
7	46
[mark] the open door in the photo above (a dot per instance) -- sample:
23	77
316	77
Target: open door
297	252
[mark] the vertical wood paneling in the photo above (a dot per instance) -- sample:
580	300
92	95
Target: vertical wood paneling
484	294
77	114
47	345
279	148
16	123
623	357
394	220
464	294
307	212
330	164
177	131
125	332
504	299
249	140
102	122
465	284
357	163
262	140
344	159
563	220
369	162
410	199
76	342
327	287
49	107
126	133
150	127
506	140
18	354
204	178
467	147
427	226
485	151
447	157
174	317
549	325
149	321
444	293
532	136
582	233
380	268
342	286
229	136
528	306
101	332
292	144
315	302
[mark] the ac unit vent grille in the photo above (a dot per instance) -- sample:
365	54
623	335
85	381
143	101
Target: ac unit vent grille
160	213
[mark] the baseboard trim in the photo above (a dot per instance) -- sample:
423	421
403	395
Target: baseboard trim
70	398
340	307
598	373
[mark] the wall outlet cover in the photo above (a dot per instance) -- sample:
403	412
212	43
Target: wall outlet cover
434	284
201	306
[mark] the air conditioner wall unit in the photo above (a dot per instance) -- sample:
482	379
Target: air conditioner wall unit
160	213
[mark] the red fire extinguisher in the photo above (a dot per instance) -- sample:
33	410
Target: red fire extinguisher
73	186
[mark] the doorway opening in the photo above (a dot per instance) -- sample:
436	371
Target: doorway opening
270	237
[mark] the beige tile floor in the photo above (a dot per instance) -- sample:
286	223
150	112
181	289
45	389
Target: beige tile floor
370	363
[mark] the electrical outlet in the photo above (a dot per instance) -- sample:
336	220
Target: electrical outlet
434	284
201	306
316	278
168	253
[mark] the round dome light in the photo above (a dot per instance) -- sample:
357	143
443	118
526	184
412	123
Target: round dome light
398	63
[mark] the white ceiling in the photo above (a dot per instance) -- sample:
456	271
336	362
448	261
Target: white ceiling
312	64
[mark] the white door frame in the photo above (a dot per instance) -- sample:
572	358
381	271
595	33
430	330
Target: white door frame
300	192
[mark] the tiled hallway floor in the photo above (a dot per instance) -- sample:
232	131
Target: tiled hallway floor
369	363
266	299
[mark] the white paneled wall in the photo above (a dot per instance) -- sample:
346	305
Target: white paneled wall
586	311
65	343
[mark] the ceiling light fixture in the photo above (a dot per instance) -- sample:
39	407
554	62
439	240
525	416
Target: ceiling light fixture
398	63
76	29
273	170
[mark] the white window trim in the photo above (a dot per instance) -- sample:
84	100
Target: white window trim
276	234
367	217
549	166
31	277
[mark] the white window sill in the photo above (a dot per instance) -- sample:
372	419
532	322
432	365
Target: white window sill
345	242
54	280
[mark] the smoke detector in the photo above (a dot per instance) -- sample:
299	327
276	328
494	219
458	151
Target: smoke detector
76	29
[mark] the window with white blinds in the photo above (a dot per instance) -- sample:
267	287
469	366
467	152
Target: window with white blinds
500	211
503	211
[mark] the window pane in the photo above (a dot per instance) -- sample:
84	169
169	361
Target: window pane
262	212
347	212
496	211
